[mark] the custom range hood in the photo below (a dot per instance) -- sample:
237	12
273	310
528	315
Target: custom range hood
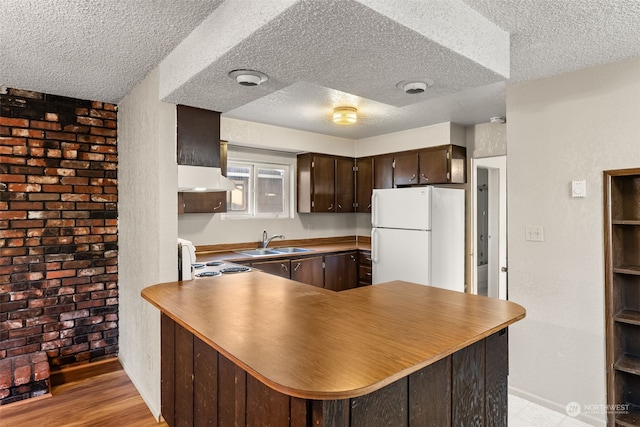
199	151
202	179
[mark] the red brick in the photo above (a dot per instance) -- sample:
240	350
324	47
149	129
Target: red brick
29	133
6	140
104	132
54	153
35	179
6	150
43	215
8	121
20	151
92	139
26	205
76	129
37	152
61	136
70	154
55	344
71	315
56	188
22	375
13	214
52	117
75	198
27	223
75	164
76	348
27	188
25	332
6	178
10	160
45	125
103	114
90	121
60	206
74	180
41	371
60	171
60	273
95	157
26	349
5	373
11	233
111	124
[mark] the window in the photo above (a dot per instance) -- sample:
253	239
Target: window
262	190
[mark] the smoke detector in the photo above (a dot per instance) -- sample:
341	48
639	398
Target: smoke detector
414	87
498	120
248	77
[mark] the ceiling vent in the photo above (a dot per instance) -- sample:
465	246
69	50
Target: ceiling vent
414	87
248	77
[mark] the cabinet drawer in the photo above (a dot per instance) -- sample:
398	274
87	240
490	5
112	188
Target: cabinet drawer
364	275
364	258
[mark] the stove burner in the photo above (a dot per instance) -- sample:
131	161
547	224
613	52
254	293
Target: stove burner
208	274
238	269
197	265
214	263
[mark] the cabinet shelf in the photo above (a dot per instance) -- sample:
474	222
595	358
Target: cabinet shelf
632	419
625	222
629	364
628	316
627	269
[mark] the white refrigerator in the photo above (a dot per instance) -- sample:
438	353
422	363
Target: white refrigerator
418	236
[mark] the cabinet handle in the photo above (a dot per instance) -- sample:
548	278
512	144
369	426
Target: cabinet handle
217	206
423	176
297	267
339	206
353	258
330	207
369	206
284	267
412	177
368	273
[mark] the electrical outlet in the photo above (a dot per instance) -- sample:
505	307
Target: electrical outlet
534	233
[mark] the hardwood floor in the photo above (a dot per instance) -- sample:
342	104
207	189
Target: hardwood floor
100	395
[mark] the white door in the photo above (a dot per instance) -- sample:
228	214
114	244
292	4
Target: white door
408	208
496	226
400	255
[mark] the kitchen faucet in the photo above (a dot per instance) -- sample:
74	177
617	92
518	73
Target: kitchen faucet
266	241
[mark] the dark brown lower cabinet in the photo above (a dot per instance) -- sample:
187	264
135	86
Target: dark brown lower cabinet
341	271
201	387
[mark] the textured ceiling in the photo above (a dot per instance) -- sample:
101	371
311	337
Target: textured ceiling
318	54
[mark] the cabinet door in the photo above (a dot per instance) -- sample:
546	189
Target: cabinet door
434	165
405	170
324	196
202	202
364	184
345	184
308	270
278	267
341	271
383	172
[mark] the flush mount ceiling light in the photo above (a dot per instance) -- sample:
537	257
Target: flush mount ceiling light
414	87
248	77
345	115
498	120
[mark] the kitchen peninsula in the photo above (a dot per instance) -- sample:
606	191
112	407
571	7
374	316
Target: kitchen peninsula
257	349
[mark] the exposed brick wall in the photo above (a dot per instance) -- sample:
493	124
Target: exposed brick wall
58	229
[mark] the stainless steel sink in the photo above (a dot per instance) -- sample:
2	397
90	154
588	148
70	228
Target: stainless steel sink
290	250
259	252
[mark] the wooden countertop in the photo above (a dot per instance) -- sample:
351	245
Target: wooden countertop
316	249
313	343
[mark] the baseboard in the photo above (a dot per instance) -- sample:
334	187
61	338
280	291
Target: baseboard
554	406
25	401
83	371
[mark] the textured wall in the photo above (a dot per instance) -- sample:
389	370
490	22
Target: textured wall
148	228
572	126
58	229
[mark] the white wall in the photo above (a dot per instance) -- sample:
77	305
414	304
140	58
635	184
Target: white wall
147	228
572	126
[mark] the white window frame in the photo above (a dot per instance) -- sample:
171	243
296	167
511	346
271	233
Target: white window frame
288	198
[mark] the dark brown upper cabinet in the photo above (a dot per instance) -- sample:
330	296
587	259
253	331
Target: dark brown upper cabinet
364	184
325	183
443	164
198	136
405	169
198	144
345	184
383	171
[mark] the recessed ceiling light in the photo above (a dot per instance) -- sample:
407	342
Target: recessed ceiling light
414	86
248	77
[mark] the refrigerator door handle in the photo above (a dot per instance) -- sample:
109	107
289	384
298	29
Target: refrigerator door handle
374	243
374	209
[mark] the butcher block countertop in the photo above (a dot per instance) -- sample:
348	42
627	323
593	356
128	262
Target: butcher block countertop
313	343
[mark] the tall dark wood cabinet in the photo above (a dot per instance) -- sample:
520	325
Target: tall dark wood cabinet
622	298
198	143
383	171
345	184
325	183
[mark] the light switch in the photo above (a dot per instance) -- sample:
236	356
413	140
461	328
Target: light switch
579	188
534	233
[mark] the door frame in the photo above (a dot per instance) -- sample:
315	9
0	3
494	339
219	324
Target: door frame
497	167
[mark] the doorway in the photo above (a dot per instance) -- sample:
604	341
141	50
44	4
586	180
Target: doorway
489	205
